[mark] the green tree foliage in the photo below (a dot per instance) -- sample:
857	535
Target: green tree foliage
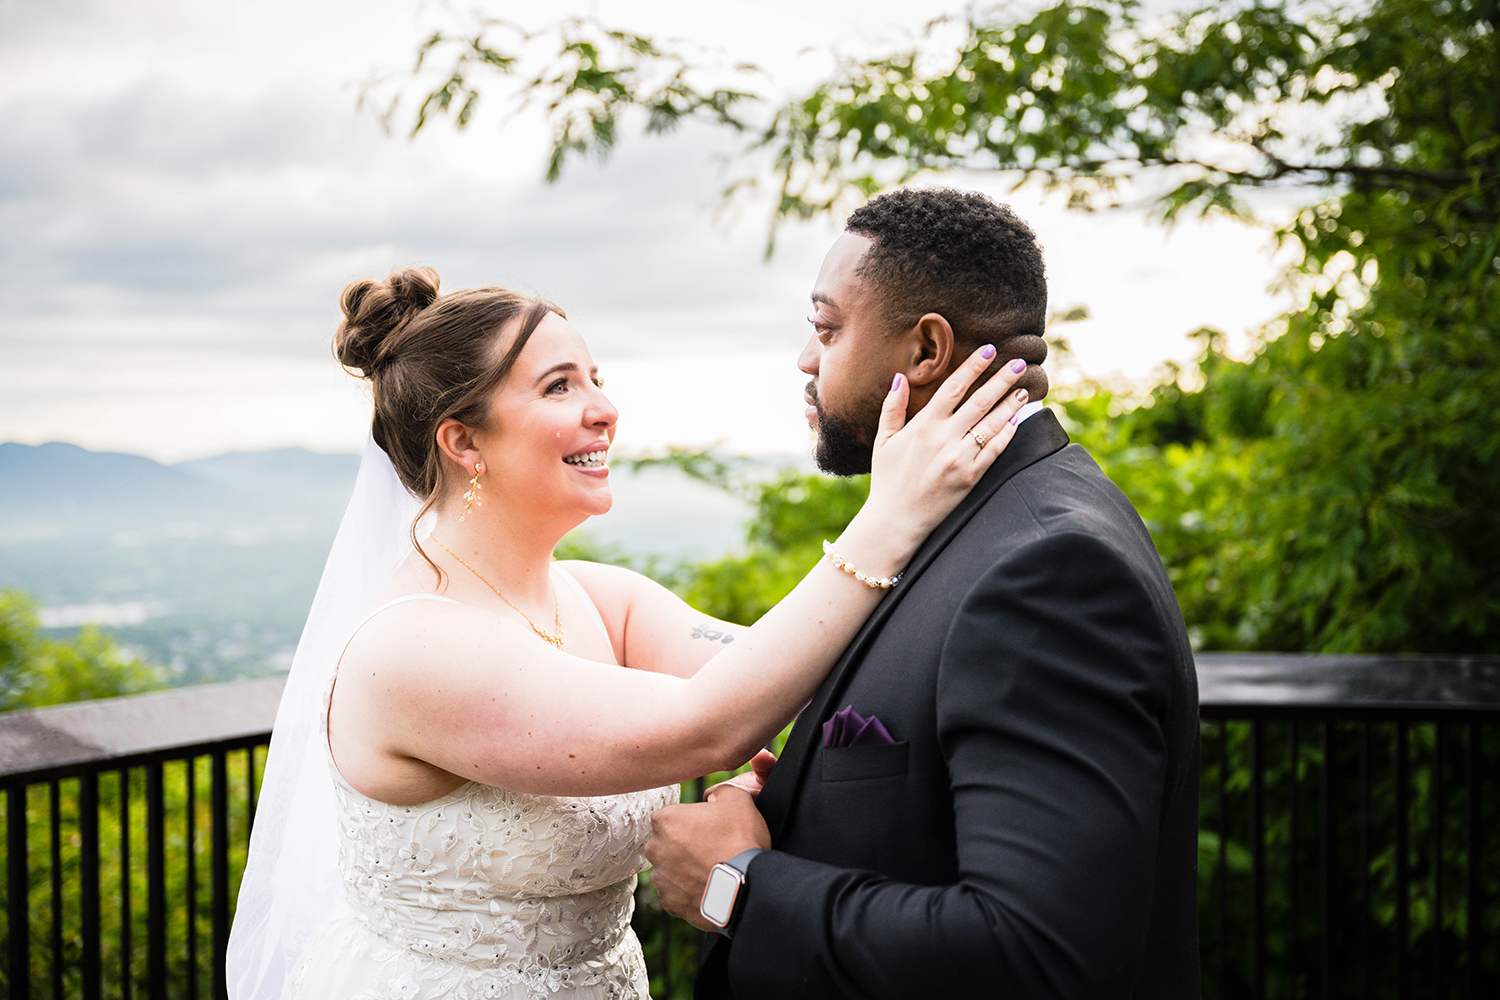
596	75
36	670
1337	490
1078	95
793	514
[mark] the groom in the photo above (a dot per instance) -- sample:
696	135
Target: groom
995	792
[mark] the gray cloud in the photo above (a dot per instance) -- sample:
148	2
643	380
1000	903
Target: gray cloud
250	213
152	125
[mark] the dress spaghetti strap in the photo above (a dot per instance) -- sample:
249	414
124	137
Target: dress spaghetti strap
587	600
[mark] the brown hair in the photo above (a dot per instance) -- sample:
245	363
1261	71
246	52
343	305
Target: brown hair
429	357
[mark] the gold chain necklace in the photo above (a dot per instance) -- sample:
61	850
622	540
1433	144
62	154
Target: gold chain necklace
555	640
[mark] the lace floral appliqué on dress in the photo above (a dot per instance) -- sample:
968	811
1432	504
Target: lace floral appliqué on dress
485	893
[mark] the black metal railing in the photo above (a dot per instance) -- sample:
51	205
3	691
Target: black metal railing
126	824
1349	844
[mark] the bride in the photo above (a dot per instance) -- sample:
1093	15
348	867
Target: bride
473	737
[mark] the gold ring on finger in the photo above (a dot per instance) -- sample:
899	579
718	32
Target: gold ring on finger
980	439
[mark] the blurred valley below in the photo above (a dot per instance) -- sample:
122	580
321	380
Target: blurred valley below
208	567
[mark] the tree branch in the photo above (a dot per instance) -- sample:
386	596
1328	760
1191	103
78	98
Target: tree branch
1436	178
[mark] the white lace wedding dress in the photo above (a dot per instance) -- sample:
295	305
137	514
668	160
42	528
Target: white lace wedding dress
483	893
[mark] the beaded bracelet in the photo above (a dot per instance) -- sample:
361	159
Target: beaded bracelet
877	582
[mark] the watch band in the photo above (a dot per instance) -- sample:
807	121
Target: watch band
741	861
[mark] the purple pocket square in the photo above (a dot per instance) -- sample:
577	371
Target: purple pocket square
848	728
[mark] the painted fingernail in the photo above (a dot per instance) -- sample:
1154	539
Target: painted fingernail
987	351
895	383
1018	366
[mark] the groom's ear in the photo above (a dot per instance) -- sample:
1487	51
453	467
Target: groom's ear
930	343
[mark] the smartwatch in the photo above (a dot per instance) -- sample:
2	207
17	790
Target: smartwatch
724	895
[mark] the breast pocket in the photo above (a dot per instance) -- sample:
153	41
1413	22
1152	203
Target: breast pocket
882	760
855	816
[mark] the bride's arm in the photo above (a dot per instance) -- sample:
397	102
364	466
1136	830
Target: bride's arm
476	696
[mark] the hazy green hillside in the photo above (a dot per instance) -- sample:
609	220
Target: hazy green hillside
207	567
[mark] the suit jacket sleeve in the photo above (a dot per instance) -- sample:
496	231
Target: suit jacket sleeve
1052	700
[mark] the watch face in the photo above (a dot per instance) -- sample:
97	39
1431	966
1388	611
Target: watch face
718	896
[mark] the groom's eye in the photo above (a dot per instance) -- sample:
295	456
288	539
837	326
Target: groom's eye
820	328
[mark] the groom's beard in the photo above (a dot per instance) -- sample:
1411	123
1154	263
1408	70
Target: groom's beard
843	445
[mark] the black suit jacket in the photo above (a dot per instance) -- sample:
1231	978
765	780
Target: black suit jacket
1033	830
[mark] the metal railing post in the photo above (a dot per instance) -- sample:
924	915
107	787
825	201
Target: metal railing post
219	796
156	885
54	814
92	965
17	893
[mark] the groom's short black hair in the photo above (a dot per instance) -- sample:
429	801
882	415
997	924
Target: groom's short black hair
962	256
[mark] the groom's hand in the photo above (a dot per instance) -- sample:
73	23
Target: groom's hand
688	840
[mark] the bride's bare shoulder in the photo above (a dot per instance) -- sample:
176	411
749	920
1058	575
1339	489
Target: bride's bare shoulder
403	623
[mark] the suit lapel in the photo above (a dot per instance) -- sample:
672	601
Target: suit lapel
1035	439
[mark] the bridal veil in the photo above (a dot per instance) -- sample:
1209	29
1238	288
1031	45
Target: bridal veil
291	881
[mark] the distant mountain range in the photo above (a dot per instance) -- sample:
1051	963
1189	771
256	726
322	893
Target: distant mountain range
57	491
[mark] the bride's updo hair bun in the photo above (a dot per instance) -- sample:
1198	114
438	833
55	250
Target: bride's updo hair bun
374	309
429	358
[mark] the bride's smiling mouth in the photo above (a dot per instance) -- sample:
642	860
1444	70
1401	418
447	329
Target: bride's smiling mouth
594	458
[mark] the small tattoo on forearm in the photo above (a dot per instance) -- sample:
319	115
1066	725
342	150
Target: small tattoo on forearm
712	634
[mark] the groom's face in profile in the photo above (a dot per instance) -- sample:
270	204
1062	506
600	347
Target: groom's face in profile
851	359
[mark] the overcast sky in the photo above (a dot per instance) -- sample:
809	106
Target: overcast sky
185	187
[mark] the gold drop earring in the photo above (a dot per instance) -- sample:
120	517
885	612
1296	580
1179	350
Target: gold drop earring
471	496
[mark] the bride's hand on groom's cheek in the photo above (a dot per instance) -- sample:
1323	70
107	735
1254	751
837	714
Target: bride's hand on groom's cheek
688	840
